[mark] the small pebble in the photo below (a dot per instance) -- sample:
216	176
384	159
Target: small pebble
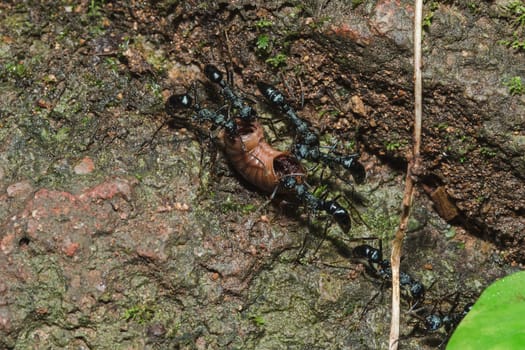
19	189
85	166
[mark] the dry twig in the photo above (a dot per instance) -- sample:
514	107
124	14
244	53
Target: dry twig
413	163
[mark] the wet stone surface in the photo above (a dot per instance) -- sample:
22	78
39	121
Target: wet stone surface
123	228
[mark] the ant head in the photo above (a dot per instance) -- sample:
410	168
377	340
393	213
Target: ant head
176	102
213	73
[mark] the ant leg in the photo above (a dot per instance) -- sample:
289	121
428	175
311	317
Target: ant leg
202	166
302	92
229	76
271	125
369	302
149	141
314	226
322	240
249	224
367	307
302	251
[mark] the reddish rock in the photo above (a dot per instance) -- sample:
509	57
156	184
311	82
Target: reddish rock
71	249
146	253
352	31
109	189
64	221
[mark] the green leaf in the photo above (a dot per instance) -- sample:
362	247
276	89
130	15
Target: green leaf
497	319
263	42
263	23
277	60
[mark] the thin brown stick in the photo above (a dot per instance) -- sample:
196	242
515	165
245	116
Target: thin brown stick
413	164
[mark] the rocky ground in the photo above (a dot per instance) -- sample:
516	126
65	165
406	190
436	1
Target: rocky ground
124	228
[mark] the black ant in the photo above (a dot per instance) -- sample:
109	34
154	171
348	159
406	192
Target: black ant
435	321
380	268
332	207
307	144
245	112
202	114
